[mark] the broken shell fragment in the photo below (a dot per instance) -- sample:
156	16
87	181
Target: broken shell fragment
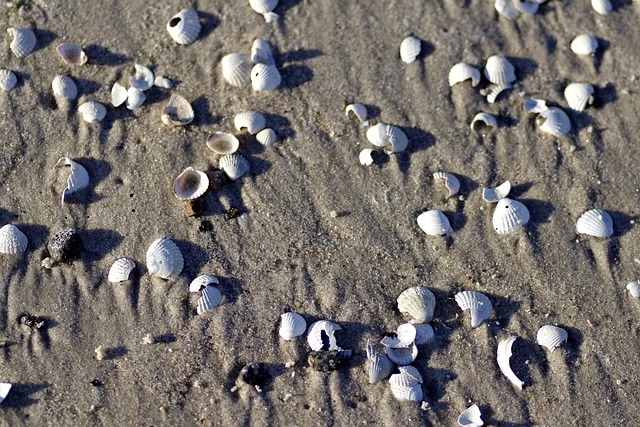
495	90
578	95
405	336
556	122
184	27
163	82
64	87
402	355
506	9
417	302
71	54
8	80
434	223
603	7
267	137
177	112
199	283
358	110
535	106
135	98
483	120
24	40
210	298
499	70
383	135
471	417
143	79
261	52
478	304
316	332
504	354
12	240
596	223
450	181
251	121
461	72
494	195
190	184
265	8
120	270
410	49
292	325
584	44
222	143
164	258
118	94
234	165
551	337
380	366
366	156
78	179
634	289
4	391
509	215
265	77
92	112
236	69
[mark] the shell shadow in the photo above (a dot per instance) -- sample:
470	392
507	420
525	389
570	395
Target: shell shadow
280	125
603	46
98	170
605	95
300	55
36	234
99	55
167	338
622	223
231	288
6	216
539	212
156	94
22	77
524	66
457	219
434	386
506	121
419	140
284	5
98	243
87	87
208	22
295	75
525	354
196	257
44	37
202	111
519	189
116	352
20	394
572	351
427	48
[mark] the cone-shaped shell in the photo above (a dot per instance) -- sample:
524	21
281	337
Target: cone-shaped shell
118	94
292	325
424	333
199	283
120	270
190	184
143	79
402	355
603	7
164	259
556	122
551	337
72	54
410	49
135	98
461	72
450	182
595	222
504	354
316	332
234	165
24	40
64	87
634	289
535	105
509	215
578	95
412	394
236	69
494	195
92	112
12	240
177	112
184	27
261	52
263	6
417	302
471	417
434	223
210	298
584	44
267	137
8	80
4	391
499	70
506	9
251	121
478	304
78	179
265	77
483	120
366	156
383	135
222	143
380	366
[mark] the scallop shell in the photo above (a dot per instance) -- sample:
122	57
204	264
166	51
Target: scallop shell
526	7
236	69
261	52
118	94
410	49
478	304
267	137
406	336
450	181
222	143
120	270
499	70
164	258
434	223
365	157
92	112
251	121
495	90
483	120
424	333
265	77
234	165
177	112
64	87
509	215
535	105
316	331
402	355
380	366
210	298
383	135
595	222
584	44
143	79
24	40
184	27
417	302
406	377
72	54
163	82
411	394
4	391
190	184
578	95
461	72
551	337
135	98
506	9
8	80
504	354
358	110
603	7
634	289
12	240
494	195
471	417
78	179
292	325
199	283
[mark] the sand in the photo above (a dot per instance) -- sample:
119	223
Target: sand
292	253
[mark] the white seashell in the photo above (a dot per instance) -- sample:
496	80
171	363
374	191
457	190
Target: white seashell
92	112
584	44
494	195
535	106
478	304
482	120
509	215
263	6
135	98
222	143
190	184
251	121
210	298
461	72
411	394
270	17
406	336
499	70
118	94
578	95
402	355
410	49
527	7
365	156
551	337
199	283
24	40
292	325
177	112
434	223
556	122
4	391
634	289
8	80
261	52
407	376
603	7
64	87
236	69
267	137
78	179
383	135
72	54
164	259
495	90
424	333
120	270
265	77
358	110
184	27
417	302
12	240
506	9
143	79
163	82
504	354
450	181
380	366
595	222
315	332
470	417
234	165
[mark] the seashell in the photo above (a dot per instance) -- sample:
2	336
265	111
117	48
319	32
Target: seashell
78	179
595	222
143	79
506	9
120	270
8	80
504	354
210	298
12	240
164	258
251	121
406	335
461	72
578	95
499	70
234	165
265	8
177	112
470	417
482	120
603	7
556	122
402	356
412	394
450	181
509	215
380	366
265	77
222	143
135	98
92	112
366	156
270	17
64	87
72	54
236	69
118	94
494	195
358	110
184	27
479	305
261	52
584	44
535	106
551	337
434	223
24	40
383	135
199	283
417	302
4	391
267	137
527	7
633	288
316	331
407	376
424	333
410	49
163	82
190	184
495	90
292	325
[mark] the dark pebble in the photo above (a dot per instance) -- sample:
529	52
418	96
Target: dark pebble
65	246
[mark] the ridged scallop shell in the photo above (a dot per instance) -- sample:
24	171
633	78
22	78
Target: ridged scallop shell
251	121
267	137
4	391
72	54
118	94
595	222
526	7
234	165
24	40
199	283
509	215
383	135
184	27
424	333
634	289
292	325
402	355
163	82
494	195
135	98
12	240
380	366
78	179
412	394
584	44
578	95
177	112
222	143
164	258
236	69
535	105
143	79
499	70
407	376
190	184
265	77
64	87
450	181
410	49
365	157
434	223
210	298
495	90
478	304
551	337
471	417
461	72
417	302
504	354
483	120
8	80
603	7
316	331
358	110
261	52
506	9
120	270
92	112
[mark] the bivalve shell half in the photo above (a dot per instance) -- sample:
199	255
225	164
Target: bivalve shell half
596	223
380	366
634	289
450	181
184	27
471	417
410	49
407	376
210	298
556	122
358	110
236	69
411	394
199	283
265	77
509	215
8	80
78	179
118	94
493	195
402	355
499	70
406	336
267	137
366	156
383	135
584	44
177	112
64	87
603	7
478	304
251	121
578	95
506	9
164	258
143	79
120	270
316	332
23	43
417	302
92	112
4	391
424	333
222	143
535	105
234	165
292	325
504	354
434	223
135	98
461	72
190	184
12	240
261	52
483	120
551	337
72	54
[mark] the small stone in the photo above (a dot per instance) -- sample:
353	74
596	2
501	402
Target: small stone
65	246
193	208
101	353
148	339
326	361
231	213
32	321
252	374
333	214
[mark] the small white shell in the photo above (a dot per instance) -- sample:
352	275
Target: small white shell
434	223
251	121
92	112
494	195
24	40
407	376
527	7
184	27
417	302
461	72
535	105
365	157
483	120
120	270
4	391
478	304
78	179
424	333
163	82
265	77
222	143
267	137
402	355
595	222
358	110
236	69
8	80
177	112
410	49
406	336
450	181
470	417
603	7
578	95
270	17
383	135
261	52
199	283
12	240
380	366
143	79
234	165
118	94
135	98
499	70
495	90
72	54
315	332
411	394
584	44
190	184
209	299
551	337
64	87
263	6
504	354
292	325
509	215
634	289
164	258
506	9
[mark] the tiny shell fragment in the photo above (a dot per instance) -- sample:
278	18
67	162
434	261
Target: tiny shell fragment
78	179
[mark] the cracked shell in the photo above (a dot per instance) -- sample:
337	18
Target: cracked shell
504	354
222	143
478	304
234	165
184	27
199	283
8	80
120	270
164	258
471	417
493	195
251	121
578	95
434	223
380	366
402	355
509	215
407	376
495	91
366	156
210	298
461	72
143	79
596	223
483	120
190	184
551	337
292	325
411	394
92	112
23	43
534	105
556	122
64	87
261	52
358	110
236	69
316	332
410	49
499	70
265	77
72	54
12	240
177	112
450	182
417	302
78	179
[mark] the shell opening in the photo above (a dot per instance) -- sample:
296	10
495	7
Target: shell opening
175	21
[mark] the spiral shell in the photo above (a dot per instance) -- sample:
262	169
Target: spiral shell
236	69
509	215
265	77
434	223
71	54
199	283
120	270
410	49
234	165
78	179
12	240
92	112
417	302
222	143
551	337
164	258
478	304
184	27
499	70
64	87
210	298
595	222
24	40
177	112
190	184
251	121
8	80
292	325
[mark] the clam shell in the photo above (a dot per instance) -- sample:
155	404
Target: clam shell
478	304
578	95
483	120
210	298
535	105
603	7
634	289
236	69
78	179
584	44
163	82
4	391
406	336
402	355
358	110
164	258
504	354
408	375
595	222
184	27
234	165
92	112
143	79
434	223
495	90
551	337
263	6
12	240
509	215
199	283
72	54
24	40
64	87
261	52
506	9
411	394
556	122
417	302
222	143
410	49
380	366
118	94
499	70
190	184
316	331
527	7
383	135
8	80
177	112
424	333
365	157
135	98
292	325
461	72
120	270
470	417
494	195
450	181
265	77
267	137
251	121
